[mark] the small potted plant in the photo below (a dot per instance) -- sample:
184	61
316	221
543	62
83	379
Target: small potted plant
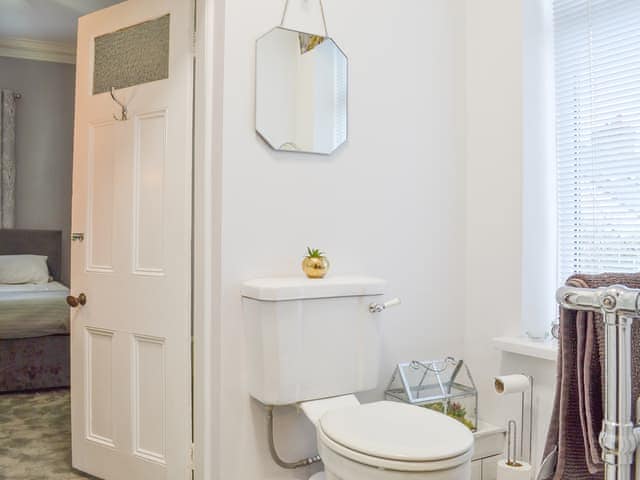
315	264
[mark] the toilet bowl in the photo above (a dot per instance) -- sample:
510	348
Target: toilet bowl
392	441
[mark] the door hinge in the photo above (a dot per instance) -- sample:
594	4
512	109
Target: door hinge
192	457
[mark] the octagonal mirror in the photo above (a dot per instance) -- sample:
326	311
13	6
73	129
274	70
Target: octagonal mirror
301	91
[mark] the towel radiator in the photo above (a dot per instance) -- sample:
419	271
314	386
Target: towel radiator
618	305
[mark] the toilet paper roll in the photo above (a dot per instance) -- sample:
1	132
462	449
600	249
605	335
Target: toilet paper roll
507	384
507	472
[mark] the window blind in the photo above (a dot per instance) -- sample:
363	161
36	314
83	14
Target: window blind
597	70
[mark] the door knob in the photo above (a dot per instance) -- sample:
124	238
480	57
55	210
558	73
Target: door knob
75	301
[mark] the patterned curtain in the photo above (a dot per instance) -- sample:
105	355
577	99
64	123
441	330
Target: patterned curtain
7	158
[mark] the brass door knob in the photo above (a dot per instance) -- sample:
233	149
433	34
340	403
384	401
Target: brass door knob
75	301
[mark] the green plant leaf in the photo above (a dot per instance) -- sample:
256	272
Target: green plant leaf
314	253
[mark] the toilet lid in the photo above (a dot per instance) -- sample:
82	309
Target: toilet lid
397	431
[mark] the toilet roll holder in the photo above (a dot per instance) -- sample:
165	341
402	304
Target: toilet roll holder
500	389
619	437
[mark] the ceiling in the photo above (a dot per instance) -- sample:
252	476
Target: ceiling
45	20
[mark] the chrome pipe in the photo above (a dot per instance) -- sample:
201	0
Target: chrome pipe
618	305
305	462
617	437
638	450
616	298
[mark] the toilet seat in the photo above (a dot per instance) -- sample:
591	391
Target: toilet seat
396	436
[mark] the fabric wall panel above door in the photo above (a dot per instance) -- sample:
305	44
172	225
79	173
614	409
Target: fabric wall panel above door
131	56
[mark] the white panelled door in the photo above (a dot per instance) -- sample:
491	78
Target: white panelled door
131	340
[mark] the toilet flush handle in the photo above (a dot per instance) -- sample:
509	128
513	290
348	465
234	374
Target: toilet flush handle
379	307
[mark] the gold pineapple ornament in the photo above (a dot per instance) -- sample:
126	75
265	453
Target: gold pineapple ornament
315	264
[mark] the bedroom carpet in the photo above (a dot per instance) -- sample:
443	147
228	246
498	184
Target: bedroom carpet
35	437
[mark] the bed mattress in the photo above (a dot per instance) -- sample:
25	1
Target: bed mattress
28	311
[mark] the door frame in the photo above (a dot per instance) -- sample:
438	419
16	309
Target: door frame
206	239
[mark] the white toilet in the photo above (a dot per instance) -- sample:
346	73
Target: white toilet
314	343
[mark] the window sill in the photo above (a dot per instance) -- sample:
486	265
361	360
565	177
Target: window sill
544	350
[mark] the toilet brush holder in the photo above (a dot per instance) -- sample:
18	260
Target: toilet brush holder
511	468
521	472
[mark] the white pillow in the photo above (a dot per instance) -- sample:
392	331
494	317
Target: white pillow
18	269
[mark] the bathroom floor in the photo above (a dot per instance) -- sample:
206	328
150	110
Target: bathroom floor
35	436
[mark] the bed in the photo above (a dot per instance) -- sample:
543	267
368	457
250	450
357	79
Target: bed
34	319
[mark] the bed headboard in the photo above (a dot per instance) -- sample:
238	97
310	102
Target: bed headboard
34	242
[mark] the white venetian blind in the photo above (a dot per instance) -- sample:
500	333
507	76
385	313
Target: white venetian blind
597	64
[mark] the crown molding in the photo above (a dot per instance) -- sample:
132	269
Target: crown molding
37	50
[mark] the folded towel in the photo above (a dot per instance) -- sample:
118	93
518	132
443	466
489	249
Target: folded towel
576	421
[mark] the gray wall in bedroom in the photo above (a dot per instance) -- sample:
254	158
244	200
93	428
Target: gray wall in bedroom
44	144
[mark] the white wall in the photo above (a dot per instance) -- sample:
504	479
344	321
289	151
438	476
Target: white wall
427	193
495	127
389	203
493	203
539	254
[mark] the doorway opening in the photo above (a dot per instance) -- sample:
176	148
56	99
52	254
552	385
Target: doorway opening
42	252
37	79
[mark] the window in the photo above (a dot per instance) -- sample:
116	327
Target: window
597	76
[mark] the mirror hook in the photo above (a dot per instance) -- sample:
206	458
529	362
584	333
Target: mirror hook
123	116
